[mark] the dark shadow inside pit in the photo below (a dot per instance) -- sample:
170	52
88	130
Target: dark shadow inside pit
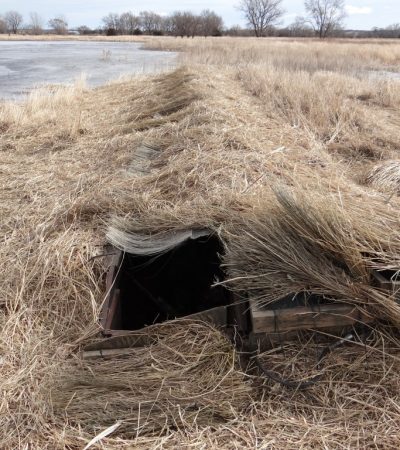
177	283
390	275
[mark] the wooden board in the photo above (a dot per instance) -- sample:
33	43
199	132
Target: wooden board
306	318
131	339
112	297
125	338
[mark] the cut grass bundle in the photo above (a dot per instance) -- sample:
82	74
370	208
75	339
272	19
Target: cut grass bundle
187	377
167	104
385	177
309	243
224	136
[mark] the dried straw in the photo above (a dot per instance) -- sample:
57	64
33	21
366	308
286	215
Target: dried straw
247	115
385	177
188	375
304	242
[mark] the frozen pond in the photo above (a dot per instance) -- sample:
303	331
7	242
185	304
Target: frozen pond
25	65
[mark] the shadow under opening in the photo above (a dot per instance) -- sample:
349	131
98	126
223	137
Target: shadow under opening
176	283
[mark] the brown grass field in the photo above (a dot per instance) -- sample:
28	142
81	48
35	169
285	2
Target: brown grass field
289	149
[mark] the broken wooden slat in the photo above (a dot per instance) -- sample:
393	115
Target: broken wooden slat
124	338
106	353
114	314
305	318
238	315
114	264
215	316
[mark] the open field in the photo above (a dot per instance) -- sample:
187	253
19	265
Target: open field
289	150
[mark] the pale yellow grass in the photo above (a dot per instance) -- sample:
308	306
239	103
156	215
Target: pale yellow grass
244	117
323	88
285	53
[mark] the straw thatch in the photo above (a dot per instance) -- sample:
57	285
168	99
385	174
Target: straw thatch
188	375
385	177
242	146
304	242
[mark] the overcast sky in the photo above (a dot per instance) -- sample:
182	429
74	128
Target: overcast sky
362	14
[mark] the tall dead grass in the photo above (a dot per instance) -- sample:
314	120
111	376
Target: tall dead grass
305	242
326	89
294	55
385	177
228	133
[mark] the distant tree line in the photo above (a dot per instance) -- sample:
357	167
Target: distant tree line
323	18
392	31
12	22
180	23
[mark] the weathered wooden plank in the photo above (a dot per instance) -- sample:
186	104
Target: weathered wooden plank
215	316
238	314
113	319
141	161
304	318
122	339
106	353
125	338
114	264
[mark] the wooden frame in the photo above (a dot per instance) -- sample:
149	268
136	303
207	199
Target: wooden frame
335	315
235	314
245	317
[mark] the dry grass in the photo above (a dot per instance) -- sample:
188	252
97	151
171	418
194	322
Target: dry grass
306	242
326	88
157	388
284	53
232	127
385	177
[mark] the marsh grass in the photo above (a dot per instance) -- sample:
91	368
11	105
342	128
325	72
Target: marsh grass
239	129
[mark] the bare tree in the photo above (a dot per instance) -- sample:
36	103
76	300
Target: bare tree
193	24
211	24
13	20
185	23
325	16
394	30
237	30
151	22
84	30
129	23
3	26
261	14
36	23
179	26
59	25
168	25
300	28
111	23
